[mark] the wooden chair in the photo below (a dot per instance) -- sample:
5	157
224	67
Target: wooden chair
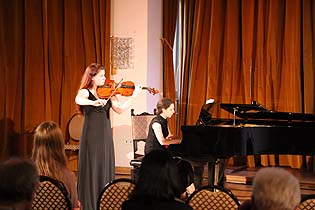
307	203
140	127
115	193
51	194
213	198
73	132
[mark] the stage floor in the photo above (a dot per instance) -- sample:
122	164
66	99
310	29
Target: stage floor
240	181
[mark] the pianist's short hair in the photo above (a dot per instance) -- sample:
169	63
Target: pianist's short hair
275	188
163	103
19	179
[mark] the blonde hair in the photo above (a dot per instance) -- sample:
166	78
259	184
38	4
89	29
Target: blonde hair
275	188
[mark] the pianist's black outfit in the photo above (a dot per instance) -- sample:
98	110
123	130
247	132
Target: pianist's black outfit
184	168
152	142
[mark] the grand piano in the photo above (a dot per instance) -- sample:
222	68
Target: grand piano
253	130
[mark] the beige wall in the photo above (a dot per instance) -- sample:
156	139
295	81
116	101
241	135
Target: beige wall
140	20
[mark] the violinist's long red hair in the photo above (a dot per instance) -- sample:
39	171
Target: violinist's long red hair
86	81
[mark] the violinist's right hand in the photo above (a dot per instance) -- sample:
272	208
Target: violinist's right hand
99	102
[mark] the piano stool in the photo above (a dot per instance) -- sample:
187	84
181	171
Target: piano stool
135	163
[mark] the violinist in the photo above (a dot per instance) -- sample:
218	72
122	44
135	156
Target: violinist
96	154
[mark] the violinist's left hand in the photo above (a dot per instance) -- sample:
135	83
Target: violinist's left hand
136	91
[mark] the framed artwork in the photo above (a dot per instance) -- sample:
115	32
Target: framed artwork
122	52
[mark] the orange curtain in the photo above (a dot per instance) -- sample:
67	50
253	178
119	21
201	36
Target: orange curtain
170	8
186	28
237	51
45	47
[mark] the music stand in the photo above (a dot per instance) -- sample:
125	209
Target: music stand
205	115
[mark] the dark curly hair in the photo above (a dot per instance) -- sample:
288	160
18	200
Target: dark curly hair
19	179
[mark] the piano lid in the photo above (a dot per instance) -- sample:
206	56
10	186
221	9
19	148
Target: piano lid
243	108
257	111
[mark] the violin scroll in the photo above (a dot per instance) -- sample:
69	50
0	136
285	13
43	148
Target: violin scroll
151	90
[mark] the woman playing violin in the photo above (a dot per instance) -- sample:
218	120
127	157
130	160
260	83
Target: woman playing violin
96	154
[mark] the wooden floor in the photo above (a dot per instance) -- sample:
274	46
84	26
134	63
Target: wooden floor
240	181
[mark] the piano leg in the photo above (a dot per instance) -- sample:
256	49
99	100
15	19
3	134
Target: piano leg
216	172
277	160
212	173
198	172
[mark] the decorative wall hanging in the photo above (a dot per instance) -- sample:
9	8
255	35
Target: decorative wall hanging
122	53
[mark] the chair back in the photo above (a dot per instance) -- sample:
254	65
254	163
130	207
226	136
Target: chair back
140	128
73	132
74	128
51	194
115	193
307	203
213	198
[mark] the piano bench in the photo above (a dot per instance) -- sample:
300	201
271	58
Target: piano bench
135	163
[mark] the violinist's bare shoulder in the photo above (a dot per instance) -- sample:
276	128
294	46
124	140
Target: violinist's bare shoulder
83	92
82	96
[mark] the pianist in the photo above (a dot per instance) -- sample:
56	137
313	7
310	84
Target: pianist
159	137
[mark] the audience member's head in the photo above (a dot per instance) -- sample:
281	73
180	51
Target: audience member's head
48	150
158	177
19	179
50	158
275	189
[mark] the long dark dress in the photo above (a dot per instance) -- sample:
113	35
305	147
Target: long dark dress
96	154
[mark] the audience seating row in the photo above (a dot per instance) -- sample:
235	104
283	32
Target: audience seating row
53	195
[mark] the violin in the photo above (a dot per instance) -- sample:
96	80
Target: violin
125	88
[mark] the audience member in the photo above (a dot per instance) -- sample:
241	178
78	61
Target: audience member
50	158
274	189
158	185
19	179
